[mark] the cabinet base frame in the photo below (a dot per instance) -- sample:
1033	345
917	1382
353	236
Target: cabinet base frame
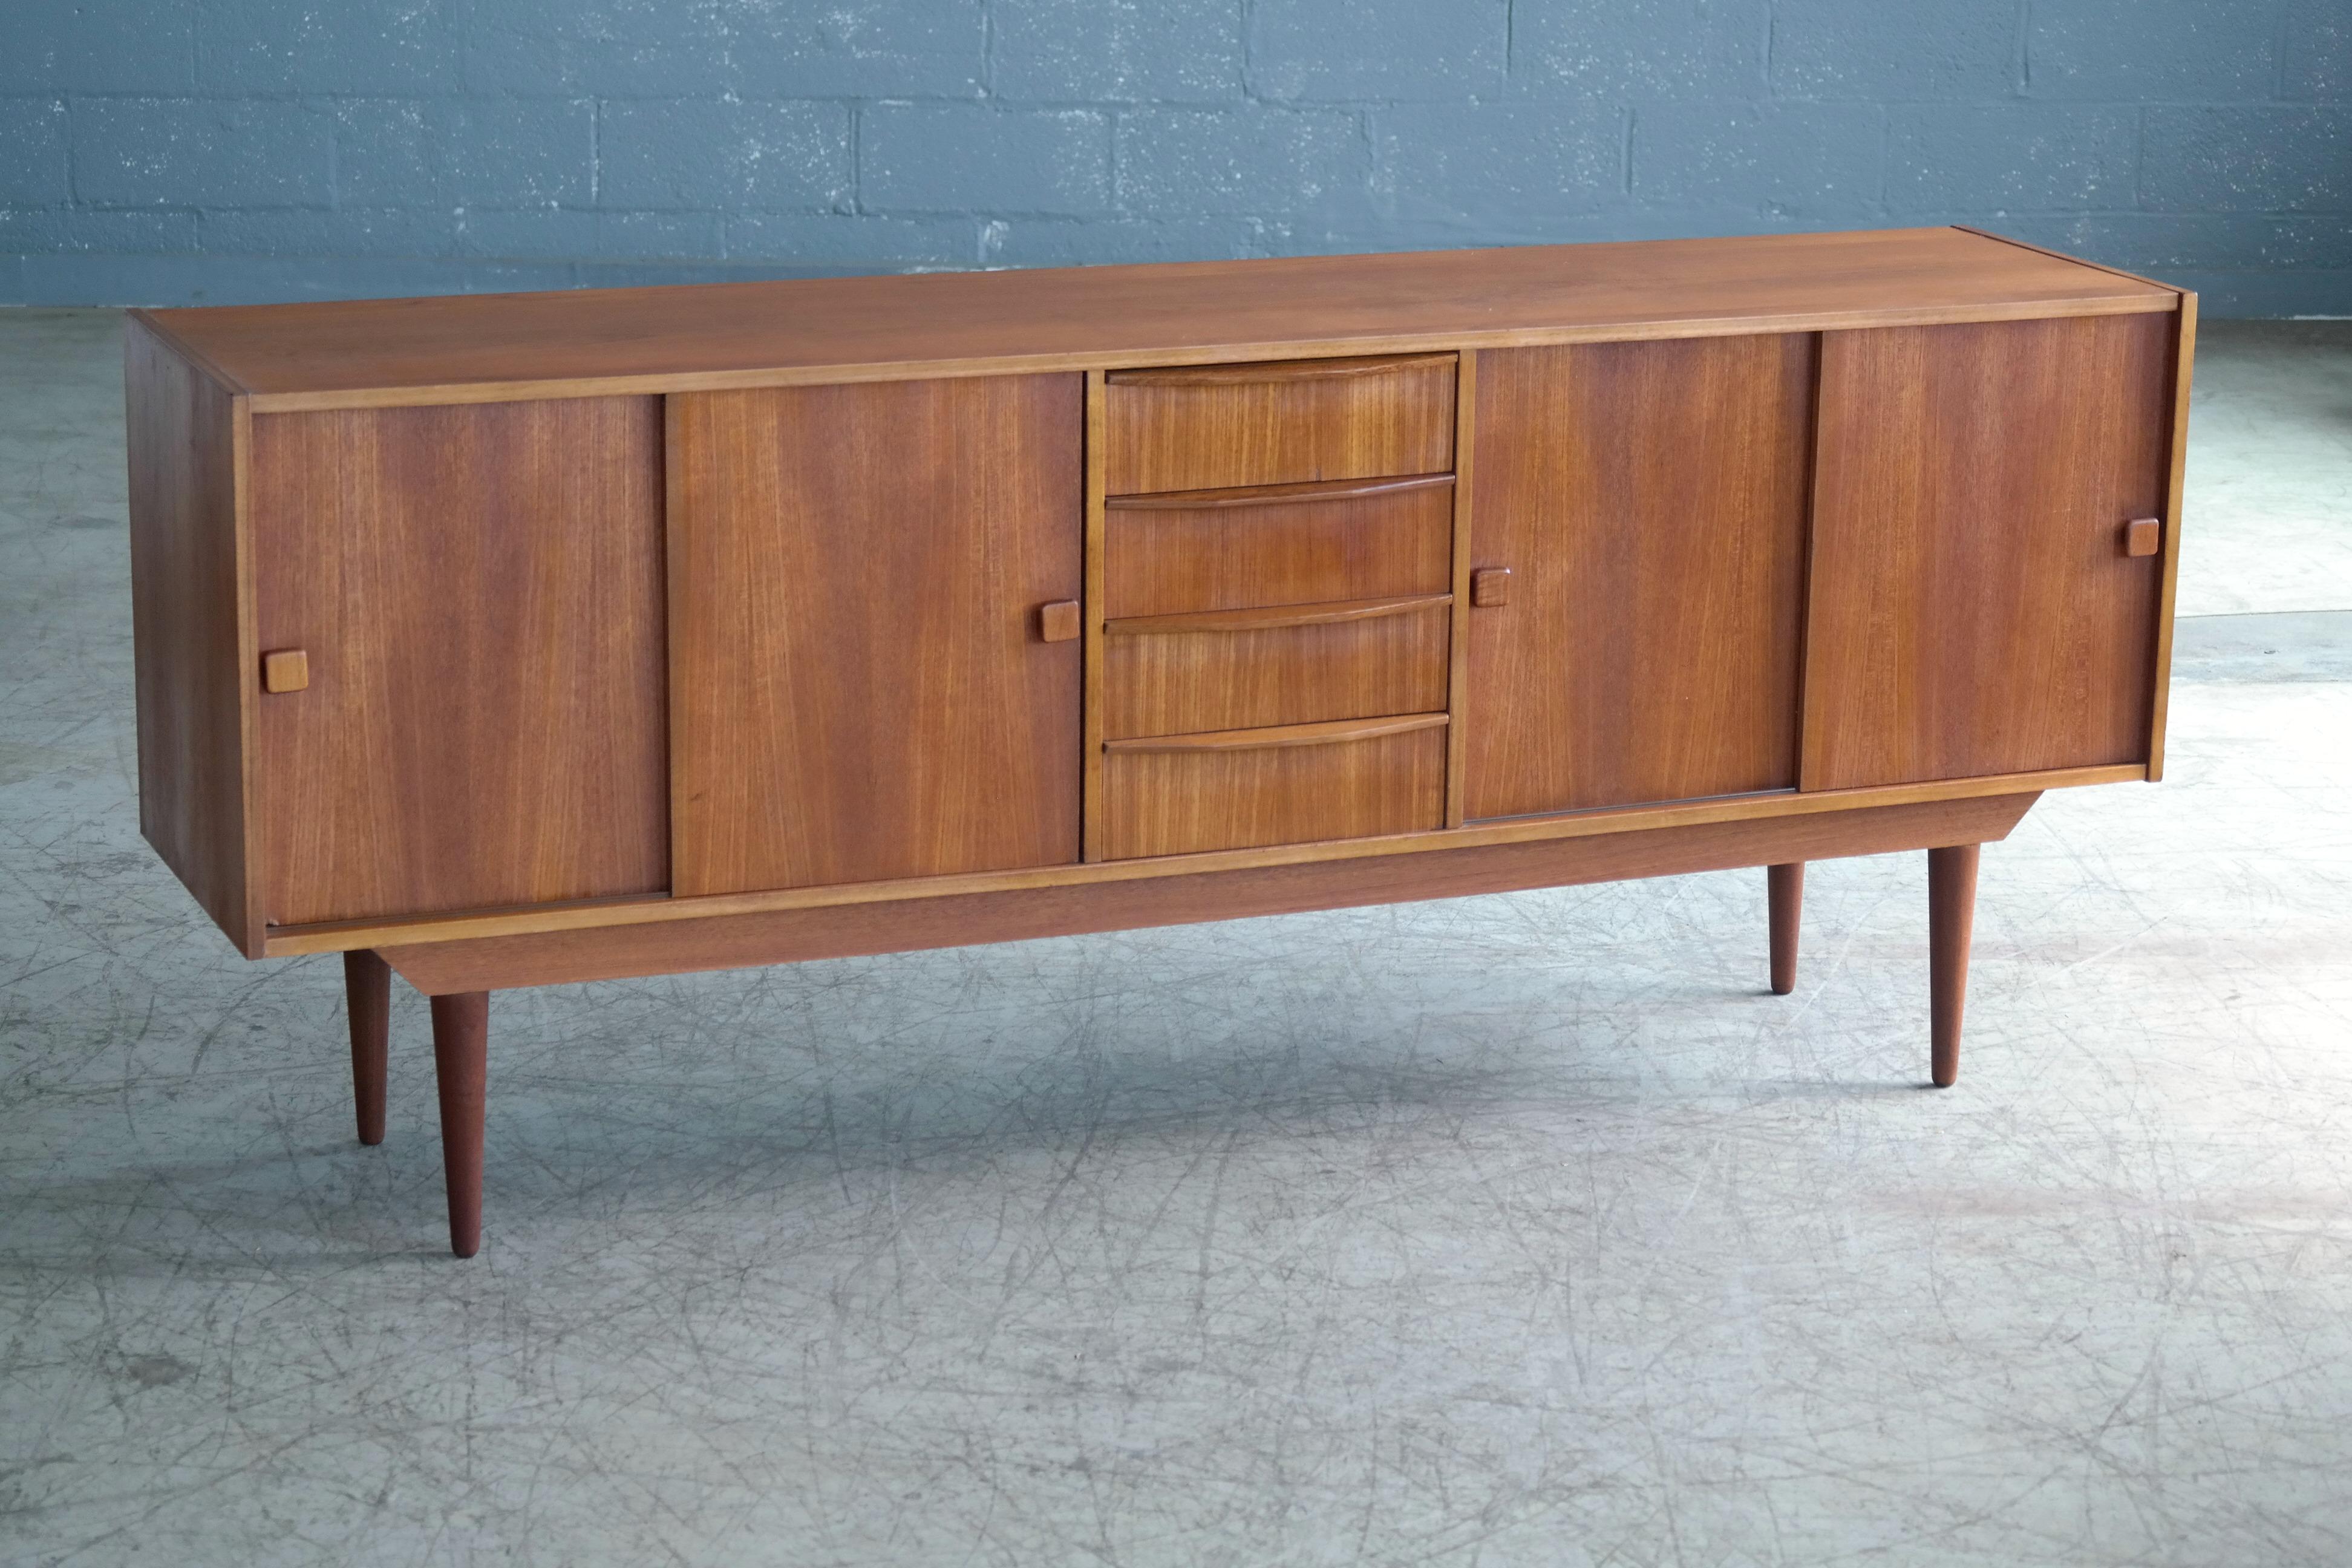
906	925
417	930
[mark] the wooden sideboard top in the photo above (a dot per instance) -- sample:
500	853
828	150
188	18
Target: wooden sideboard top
491	348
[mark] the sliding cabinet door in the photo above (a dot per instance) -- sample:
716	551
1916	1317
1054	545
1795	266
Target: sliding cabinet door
1974	607
1648	500
860	686
476	596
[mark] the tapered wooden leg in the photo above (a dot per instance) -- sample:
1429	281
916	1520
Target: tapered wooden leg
1787	898
461	1056
367	992
1951	920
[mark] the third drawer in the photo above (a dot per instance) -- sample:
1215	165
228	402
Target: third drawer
1292	664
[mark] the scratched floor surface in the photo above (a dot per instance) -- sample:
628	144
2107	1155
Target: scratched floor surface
1522	1229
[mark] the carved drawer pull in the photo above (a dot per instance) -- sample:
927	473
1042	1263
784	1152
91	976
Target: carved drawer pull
1305	493
1274	370
1332	733
1269	617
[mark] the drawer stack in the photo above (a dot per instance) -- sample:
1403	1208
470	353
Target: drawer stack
1278	546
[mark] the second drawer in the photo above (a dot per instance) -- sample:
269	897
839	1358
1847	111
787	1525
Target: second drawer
1278	544
1294	664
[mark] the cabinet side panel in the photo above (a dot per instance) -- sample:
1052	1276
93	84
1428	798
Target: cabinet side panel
480	592
862	689
1972	610
1649	502
190	648
2183	366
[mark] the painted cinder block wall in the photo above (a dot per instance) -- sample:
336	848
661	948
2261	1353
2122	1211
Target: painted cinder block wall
211	151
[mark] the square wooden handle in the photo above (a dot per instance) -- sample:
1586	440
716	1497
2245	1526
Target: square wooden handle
1057	622
2143	536
287	669
1490	588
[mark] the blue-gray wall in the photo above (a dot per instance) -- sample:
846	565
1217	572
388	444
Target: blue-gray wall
220	150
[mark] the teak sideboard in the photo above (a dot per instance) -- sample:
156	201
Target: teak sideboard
503	641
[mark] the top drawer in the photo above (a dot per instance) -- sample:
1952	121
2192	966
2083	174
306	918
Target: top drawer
1281	422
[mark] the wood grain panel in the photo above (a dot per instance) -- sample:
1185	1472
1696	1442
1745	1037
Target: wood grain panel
1171	681
1284	545
1649	502
2184	357
472	347
1466	474
1179	802
1971	612
479	591
859	689
1287	422
195	660
1090	827
1181	898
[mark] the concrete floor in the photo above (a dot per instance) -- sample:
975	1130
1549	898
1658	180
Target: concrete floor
2270	469
1520	1229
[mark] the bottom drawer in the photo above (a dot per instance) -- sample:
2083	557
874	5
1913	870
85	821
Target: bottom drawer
1242	789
